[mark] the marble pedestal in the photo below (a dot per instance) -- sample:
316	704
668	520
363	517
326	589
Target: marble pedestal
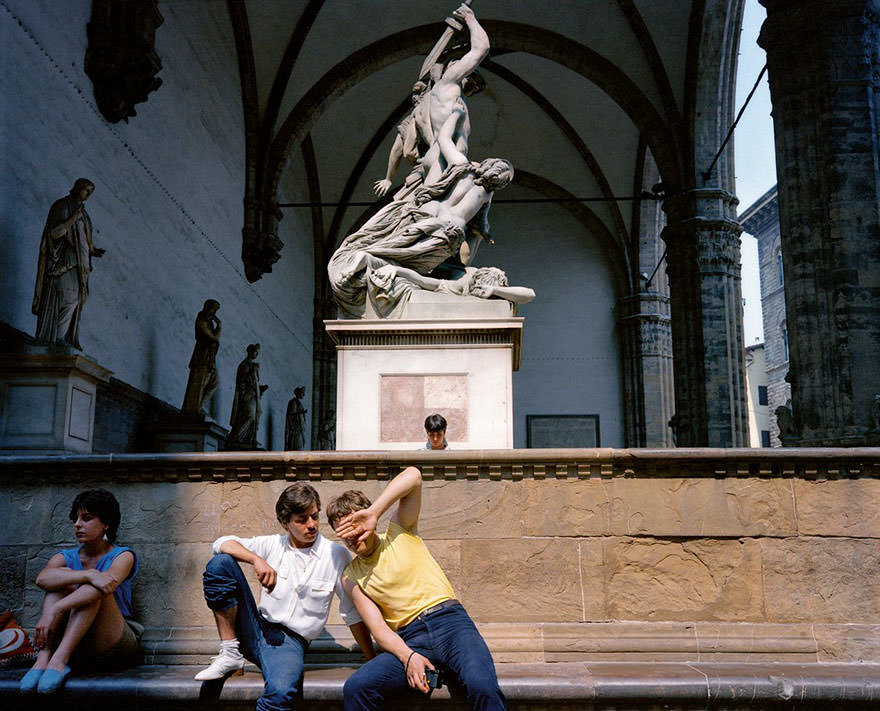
451	355
47	401
189	435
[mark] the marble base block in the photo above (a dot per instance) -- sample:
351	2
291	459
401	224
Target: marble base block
47	401
393	373
189	435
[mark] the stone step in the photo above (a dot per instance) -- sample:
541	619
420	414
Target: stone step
600	686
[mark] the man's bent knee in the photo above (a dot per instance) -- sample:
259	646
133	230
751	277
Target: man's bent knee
221	582
220	564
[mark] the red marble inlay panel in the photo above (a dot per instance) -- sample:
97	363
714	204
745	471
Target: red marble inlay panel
406	400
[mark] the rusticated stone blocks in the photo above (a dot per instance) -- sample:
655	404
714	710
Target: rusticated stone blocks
589	568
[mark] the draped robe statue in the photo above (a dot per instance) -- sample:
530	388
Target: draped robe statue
63	268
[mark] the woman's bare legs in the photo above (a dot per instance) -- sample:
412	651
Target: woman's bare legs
45	652
98	626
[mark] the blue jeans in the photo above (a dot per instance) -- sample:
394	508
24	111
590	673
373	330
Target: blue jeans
277	650
451	641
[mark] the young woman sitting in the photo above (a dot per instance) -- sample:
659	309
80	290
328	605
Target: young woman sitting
88	599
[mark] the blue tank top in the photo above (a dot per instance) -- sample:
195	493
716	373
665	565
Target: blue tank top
122	594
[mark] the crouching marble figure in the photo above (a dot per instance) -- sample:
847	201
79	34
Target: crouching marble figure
389	287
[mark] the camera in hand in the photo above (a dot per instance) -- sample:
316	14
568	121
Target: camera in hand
435	680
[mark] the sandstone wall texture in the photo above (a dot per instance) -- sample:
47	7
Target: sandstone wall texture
587	567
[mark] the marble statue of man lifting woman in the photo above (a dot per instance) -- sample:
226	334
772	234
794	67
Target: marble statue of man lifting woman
441	220
433	104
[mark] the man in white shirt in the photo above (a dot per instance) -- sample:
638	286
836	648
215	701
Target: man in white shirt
299	571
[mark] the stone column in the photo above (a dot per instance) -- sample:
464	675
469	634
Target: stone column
646	339
824	68
323	370
703	264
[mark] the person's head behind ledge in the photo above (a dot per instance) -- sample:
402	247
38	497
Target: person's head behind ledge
435	429
435	423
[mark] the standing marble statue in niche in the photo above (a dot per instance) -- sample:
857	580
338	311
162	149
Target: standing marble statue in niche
202	380
245	418
63	268
327	432
295	422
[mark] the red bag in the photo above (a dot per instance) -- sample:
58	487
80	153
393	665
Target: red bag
15	647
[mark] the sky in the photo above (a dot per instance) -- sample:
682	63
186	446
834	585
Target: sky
754	157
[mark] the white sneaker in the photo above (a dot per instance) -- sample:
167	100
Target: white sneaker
221	666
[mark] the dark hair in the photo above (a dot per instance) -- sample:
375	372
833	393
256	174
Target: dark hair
296	499
435	423
347	502
101	504
473	83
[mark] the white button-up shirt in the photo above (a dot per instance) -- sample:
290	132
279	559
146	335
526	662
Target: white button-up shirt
301	598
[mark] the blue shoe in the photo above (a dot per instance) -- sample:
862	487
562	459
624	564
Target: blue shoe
52	680
28	683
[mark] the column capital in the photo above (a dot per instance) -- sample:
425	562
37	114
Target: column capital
706	203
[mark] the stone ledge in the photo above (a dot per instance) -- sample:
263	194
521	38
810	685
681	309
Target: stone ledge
579	642
601	685
514	464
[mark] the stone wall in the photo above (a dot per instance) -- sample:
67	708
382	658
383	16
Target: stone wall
557	554
168	206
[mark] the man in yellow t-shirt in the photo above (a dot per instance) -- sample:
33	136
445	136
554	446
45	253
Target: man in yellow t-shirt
407	603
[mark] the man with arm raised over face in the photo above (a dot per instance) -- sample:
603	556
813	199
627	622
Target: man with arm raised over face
407	603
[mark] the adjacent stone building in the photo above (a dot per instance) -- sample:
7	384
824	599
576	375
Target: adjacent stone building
761	220
756	388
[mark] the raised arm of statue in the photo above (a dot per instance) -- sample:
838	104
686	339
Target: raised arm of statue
457	71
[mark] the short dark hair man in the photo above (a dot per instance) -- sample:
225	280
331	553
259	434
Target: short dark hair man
407	603
299	571
435	429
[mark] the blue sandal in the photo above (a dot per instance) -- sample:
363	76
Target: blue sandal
52	680
28	683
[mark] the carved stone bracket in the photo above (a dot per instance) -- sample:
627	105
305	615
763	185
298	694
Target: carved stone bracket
260	247
259	251
121	59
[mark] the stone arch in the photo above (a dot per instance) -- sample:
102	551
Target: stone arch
506	36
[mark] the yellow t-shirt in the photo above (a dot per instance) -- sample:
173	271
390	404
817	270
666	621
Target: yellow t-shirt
401	576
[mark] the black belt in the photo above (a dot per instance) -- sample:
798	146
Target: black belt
436	608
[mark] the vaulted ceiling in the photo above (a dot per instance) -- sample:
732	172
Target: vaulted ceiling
576	92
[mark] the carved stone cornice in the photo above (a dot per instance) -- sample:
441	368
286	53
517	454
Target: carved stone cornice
830	463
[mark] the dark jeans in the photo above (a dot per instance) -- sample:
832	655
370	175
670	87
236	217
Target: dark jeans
277	650
451	641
